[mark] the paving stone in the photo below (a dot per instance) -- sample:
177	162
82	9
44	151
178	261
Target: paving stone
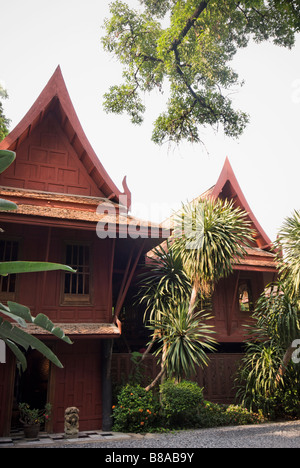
5	440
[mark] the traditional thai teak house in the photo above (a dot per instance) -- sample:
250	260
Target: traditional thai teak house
232	302
235	296
64	195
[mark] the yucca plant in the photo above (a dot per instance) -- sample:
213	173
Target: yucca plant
288	243
256	377
275	326
162	285
209	236
163	281
184	340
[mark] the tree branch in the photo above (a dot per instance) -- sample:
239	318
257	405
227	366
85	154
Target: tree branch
197	98
189	24
161	373
285	360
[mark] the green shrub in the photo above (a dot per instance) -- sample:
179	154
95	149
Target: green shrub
180	402
238	415
211	415
214	415
181	407
136	410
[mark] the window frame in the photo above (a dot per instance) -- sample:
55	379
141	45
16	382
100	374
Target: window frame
76	299
248	283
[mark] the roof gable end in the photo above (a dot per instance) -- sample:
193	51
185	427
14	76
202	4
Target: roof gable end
55	98
227	186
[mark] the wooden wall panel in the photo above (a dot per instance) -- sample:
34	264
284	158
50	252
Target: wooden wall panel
217	379
78	384
7	373
41	292
47	161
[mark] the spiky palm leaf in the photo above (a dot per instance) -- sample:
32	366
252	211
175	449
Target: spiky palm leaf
209	236
276	324
288	241
184	339
163	281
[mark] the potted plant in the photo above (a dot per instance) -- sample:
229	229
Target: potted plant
33	418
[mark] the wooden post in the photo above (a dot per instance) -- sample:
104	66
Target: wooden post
107	346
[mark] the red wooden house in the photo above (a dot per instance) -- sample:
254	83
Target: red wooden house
235	296
232	301
63	195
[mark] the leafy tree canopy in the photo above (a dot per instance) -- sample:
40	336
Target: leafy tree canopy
4	122
187	46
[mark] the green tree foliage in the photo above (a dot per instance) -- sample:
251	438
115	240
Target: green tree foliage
16	337
186	46
4	122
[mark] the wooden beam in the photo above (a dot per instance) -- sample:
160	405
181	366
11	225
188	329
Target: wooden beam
111	272
124	280
128	281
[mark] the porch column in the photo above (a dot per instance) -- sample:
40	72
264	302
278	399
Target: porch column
106	384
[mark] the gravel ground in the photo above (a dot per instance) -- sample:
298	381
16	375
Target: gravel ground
270	435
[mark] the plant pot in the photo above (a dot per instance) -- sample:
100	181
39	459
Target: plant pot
31	431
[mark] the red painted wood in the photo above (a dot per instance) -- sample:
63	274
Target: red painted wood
55	98
227	186
79	384
47	161
6	392
45	295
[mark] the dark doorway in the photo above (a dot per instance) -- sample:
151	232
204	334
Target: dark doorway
31	386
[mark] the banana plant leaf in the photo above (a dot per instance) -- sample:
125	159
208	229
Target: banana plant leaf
21	359
21	314
7	205
30	267
6	159
14	336
10	333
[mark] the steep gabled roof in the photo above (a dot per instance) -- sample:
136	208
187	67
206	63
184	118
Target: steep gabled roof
227	186
258	257
55	97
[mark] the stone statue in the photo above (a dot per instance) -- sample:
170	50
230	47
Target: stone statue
71	422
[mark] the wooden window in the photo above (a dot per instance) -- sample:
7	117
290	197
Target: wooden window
77	286
8	253
245	296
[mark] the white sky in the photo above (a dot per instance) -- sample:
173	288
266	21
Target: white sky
38	35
